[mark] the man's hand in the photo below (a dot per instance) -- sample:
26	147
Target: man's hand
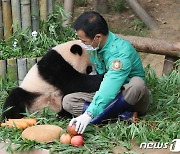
81	122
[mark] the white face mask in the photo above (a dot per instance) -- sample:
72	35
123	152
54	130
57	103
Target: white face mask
89	47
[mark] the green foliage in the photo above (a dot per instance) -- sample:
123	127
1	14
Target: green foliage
24	44
117	5
136	28
161	124
81	3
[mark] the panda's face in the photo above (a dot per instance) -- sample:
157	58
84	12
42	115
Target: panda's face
75	55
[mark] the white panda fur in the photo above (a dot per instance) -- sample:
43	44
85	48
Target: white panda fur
33	82
50	94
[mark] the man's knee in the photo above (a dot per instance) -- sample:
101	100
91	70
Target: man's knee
134	90
73	103
138	85
66	103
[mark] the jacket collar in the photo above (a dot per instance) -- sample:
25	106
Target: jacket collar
110	36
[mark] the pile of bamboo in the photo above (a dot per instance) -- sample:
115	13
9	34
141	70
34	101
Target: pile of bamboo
22	14
16	69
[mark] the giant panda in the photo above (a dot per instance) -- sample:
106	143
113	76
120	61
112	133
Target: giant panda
62	70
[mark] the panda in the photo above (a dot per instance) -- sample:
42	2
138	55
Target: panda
64	69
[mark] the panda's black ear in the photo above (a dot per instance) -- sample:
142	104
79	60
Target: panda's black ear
76	49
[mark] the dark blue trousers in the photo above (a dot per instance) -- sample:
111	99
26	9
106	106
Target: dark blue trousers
116	107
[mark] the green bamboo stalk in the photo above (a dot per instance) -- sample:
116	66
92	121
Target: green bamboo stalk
22	69
3	70
1	21
30	62
43	9
25	14
7	18
35	14
12	69
16	14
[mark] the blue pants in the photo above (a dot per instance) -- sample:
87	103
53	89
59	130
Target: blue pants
116	107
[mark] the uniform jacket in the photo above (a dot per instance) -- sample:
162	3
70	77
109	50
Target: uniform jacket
120	62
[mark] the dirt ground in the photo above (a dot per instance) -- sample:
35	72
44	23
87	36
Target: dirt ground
165	12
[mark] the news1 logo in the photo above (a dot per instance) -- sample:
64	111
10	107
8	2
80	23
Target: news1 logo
175	145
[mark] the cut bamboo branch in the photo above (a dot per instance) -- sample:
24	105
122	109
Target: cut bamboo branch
69	9
16	14
142	14
35	15
39	58
50	6
25	14
30	62
154	46
12	69
22	69
3	69
1	21
7	18
43	9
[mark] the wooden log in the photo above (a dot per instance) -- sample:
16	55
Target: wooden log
68	8
154	46
7	18
12	70
142	14
43	9
1	21
3	70
22	69
31	62
16	14
35	15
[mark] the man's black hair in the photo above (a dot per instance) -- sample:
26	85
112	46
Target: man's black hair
91	23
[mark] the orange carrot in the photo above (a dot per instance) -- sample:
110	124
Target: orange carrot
3	124
30	121
18	124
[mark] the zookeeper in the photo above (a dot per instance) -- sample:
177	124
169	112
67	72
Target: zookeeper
123	90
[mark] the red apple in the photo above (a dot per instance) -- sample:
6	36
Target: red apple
77	140
65	138
71	130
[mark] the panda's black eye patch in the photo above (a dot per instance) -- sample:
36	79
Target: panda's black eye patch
76	49
89	69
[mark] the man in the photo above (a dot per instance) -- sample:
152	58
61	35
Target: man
123	89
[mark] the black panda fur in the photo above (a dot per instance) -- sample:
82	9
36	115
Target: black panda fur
71	81
18	99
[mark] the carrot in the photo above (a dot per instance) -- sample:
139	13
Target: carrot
3	124
18	124
30	121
